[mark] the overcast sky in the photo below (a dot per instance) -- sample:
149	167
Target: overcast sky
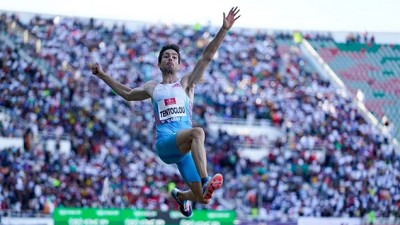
332	15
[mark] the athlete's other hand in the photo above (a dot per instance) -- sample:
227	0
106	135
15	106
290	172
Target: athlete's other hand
97	70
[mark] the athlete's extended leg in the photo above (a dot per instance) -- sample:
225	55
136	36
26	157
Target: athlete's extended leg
193	140
172	149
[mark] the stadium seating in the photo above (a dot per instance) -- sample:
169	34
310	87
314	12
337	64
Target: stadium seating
372	68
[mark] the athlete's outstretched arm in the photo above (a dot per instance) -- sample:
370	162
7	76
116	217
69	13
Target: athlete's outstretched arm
211	48
129	94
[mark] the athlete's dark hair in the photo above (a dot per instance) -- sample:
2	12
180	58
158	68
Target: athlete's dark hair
169	46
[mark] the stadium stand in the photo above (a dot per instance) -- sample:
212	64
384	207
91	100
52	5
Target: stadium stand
371	68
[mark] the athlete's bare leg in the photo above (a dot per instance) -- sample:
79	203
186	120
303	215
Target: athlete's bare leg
193	140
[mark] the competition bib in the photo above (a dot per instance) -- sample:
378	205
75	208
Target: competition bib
171	108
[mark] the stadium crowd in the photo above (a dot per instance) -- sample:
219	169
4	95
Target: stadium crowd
48	84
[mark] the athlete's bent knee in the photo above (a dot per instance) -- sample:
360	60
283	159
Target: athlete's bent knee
198	133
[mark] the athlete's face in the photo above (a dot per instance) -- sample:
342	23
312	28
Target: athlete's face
169	62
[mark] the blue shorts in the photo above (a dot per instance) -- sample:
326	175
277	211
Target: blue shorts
169	153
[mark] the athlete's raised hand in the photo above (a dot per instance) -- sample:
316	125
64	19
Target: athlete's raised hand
230	19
